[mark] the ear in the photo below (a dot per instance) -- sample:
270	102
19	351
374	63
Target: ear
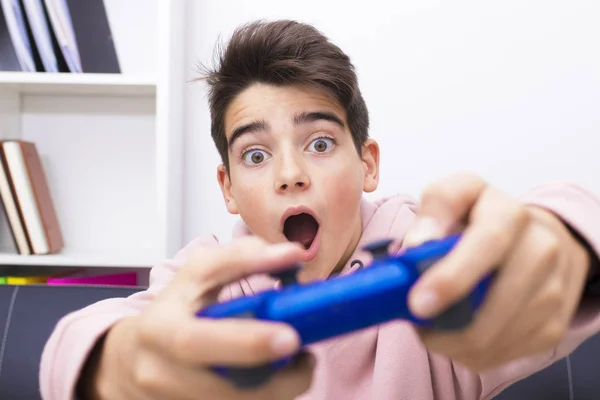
225	184
370	158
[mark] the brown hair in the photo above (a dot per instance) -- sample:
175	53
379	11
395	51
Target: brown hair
282	52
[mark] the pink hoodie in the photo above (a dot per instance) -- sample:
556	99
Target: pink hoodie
383	362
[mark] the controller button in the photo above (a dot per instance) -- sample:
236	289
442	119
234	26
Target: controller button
379	248
287	276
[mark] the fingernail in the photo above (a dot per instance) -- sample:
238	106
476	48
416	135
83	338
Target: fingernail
425	303
424	229
284	342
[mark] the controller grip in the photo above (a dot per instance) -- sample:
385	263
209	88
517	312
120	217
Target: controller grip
461	313
456	317
251	377
243	377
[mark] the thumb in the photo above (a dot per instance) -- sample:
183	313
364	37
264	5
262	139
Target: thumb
209	270
444	208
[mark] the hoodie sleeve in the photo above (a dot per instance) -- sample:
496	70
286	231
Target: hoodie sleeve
75	335
580	210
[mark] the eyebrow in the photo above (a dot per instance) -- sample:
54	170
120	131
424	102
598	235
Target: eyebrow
252	127
298	119
307	117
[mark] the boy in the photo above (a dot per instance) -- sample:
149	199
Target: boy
292	129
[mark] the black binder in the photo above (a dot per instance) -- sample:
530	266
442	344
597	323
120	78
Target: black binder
94	36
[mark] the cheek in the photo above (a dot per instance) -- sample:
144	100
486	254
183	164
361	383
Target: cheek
251	199
344	190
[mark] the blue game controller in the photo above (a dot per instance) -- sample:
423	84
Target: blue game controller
343	304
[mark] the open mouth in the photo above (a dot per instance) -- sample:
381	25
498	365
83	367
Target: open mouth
301	228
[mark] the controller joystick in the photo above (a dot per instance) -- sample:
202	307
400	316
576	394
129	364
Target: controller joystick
288	276
379	248
374	294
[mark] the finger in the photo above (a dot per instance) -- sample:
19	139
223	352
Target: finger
287	383
496	225
235	342
542	320
443	206
294	380
517	282
199	281
159	379
486	346
548	317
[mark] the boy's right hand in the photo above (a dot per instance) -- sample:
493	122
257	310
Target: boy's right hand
166	352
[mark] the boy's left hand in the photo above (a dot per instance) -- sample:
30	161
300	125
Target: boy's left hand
541	270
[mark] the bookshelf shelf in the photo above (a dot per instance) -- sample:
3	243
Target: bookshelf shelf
78	84
86	258
111	145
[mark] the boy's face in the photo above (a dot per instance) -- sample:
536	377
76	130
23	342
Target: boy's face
291	153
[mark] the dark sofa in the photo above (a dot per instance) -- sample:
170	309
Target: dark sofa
28	315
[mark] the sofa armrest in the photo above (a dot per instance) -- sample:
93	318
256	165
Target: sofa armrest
35	311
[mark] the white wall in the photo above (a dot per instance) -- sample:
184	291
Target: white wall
508	89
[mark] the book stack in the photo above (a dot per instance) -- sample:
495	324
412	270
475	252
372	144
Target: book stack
56	36
30	212
27	200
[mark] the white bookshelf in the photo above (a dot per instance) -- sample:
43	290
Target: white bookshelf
111	144
27	83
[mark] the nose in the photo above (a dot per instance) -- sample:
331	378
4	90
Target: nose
291	175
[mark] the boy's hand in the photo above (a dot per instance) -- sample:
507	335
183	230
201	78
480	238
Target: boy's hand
540	270
166	352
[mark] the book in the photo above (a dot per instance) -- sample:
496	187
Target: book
16	51
57	36
43	36
11	210
92	36
31	194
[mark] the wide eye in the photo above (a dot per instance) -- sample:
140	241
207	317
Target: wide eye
255	157
321	145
